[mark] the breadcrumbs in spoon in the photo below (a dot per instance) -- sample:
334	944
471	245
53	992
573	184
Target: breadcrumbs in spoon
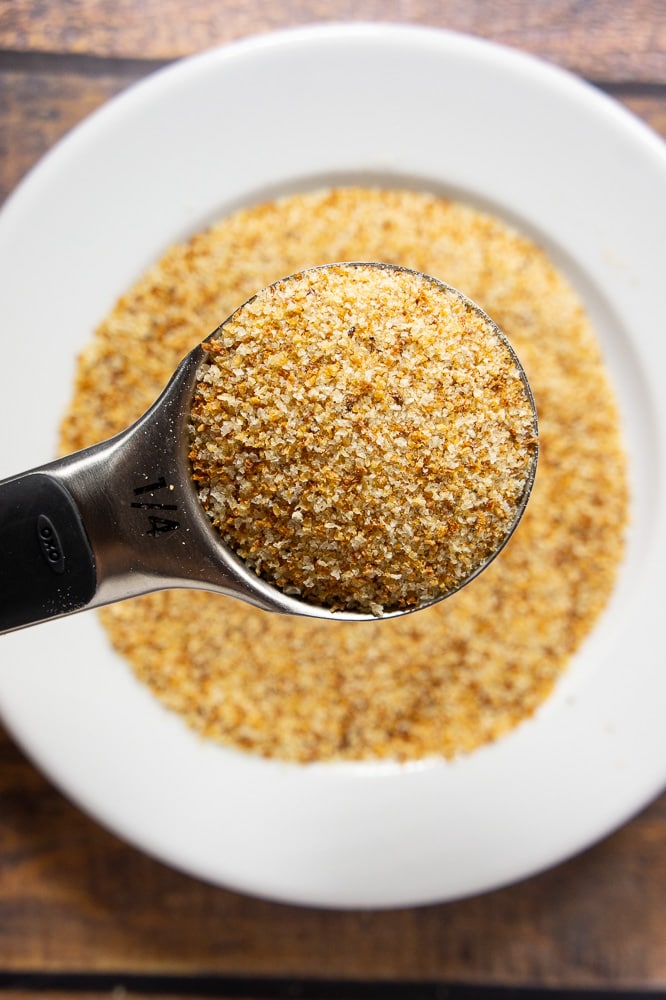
363	437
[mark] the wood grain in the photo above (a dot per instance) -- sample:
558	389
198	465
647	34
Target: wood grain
72	897
608	40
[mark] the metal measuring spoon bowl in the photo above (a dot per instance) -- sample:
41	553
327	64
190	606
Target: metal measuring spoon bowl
128	516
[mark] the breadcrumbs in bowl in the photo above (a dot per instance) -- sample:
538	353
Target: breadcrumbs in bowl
362	436
452	677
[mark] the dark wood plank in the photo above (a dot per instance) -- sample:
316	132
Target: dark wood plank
601	39
74	898
120	992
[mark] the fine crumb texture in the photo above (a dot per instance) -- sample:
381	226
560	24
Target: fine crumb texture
454	676
362	437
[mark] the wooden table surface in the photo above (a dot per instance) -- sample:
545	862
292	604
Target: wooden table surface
82	913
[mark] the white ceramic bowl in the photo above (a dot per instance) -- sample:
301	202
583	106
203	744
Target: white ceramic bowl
295	110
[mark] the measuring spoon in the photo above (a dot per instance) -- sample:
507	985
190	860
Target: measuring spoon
123	518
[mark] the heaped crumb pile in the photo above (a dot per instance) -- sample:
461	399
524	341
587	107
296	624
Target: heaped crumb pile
362	437
447	679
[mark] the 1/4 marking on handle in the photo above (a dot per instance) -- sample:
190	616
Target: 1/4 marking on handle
157	525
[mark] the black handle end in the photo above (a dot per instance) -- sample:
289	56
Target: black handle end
47	567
